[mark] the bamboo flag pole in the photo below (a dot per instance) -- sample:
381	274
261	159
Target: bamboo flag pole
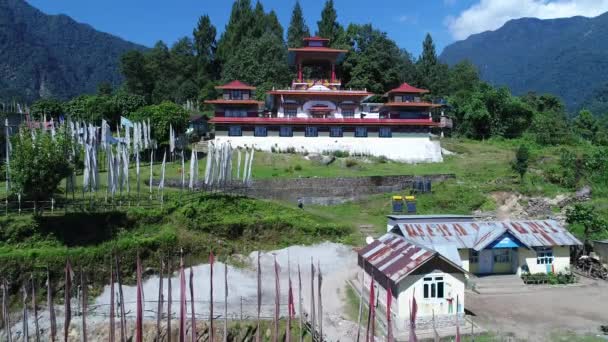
193	317
319	294
121	299
182	300
5	312
112	303
25	331
259	295
169	300
140	297
360	306
35	309
49	301
312	297
289	302
68	308
277	293
300	302
83	287
211	261
159	310
225	302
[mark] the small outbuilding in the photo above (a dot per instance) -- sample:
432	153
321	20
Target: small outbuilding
492	247
436	281
601	249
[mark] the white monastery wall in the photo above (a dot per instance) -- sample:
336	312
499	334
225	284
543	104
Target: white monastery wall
407	149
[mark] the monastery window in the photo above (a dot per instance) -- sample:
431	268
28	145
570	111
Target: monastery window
335	132
385	132
236	94
291	112
286	131
361	132
235	131
315	43
235	113
260	131
348	113
502	255
398	98
311	131
432	287
473	256
544	255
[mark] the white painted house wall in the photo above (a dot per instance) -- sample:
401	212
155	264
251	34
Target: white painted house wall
561	260
407	149
412	285
302	111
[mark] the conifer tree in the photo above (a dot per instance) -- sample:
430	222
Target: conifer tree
297	27
328	26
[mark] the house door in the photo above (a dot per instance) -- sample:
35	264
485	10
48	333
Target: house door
486	261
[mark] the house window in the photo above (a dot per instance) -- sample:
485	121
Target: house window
235	113
433	287
398	98
291	112
311	132
473	256
544	255
261	131
286	131
502	255
348	113
385	132
236	94
235	131
335	132
361	132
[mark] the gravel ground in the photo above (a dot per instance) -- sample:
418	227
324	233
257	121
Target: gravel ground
536	314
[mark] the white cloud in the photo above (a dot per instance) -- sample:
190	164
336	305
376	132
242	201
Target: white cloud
408	19
492	14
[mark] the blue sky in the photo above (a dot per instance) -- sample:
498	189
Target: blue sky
405	21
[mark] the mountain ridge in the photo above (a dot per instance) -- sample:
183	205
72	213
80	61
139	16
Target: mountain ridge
45	55
564	56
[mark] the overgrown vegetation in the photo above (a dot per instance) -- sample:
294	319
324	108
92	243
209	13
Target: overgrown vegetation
225	224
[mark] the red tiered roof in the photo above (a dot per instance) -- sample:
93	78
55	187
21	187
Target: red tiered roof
412	104
315	38
323	121
234	102
236	85
406	88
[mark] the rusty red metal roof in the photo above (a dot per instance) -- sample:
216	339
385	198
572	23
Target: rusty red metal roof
394	256
479	234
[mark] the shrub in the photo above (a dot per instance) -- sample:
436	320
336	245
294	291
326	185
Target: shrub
298	167
340	154
350	163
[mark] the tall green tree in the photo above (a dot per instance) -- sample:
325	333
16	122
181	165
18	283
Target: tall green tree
161	117
432	74
328	26
47	107
39	164
138	78
586	125
586	217
208	67
520	163
298	29
262	62
374	61
240	26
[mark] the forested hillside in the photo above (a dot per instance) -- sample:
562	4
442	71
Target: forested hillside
565	57
52	55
